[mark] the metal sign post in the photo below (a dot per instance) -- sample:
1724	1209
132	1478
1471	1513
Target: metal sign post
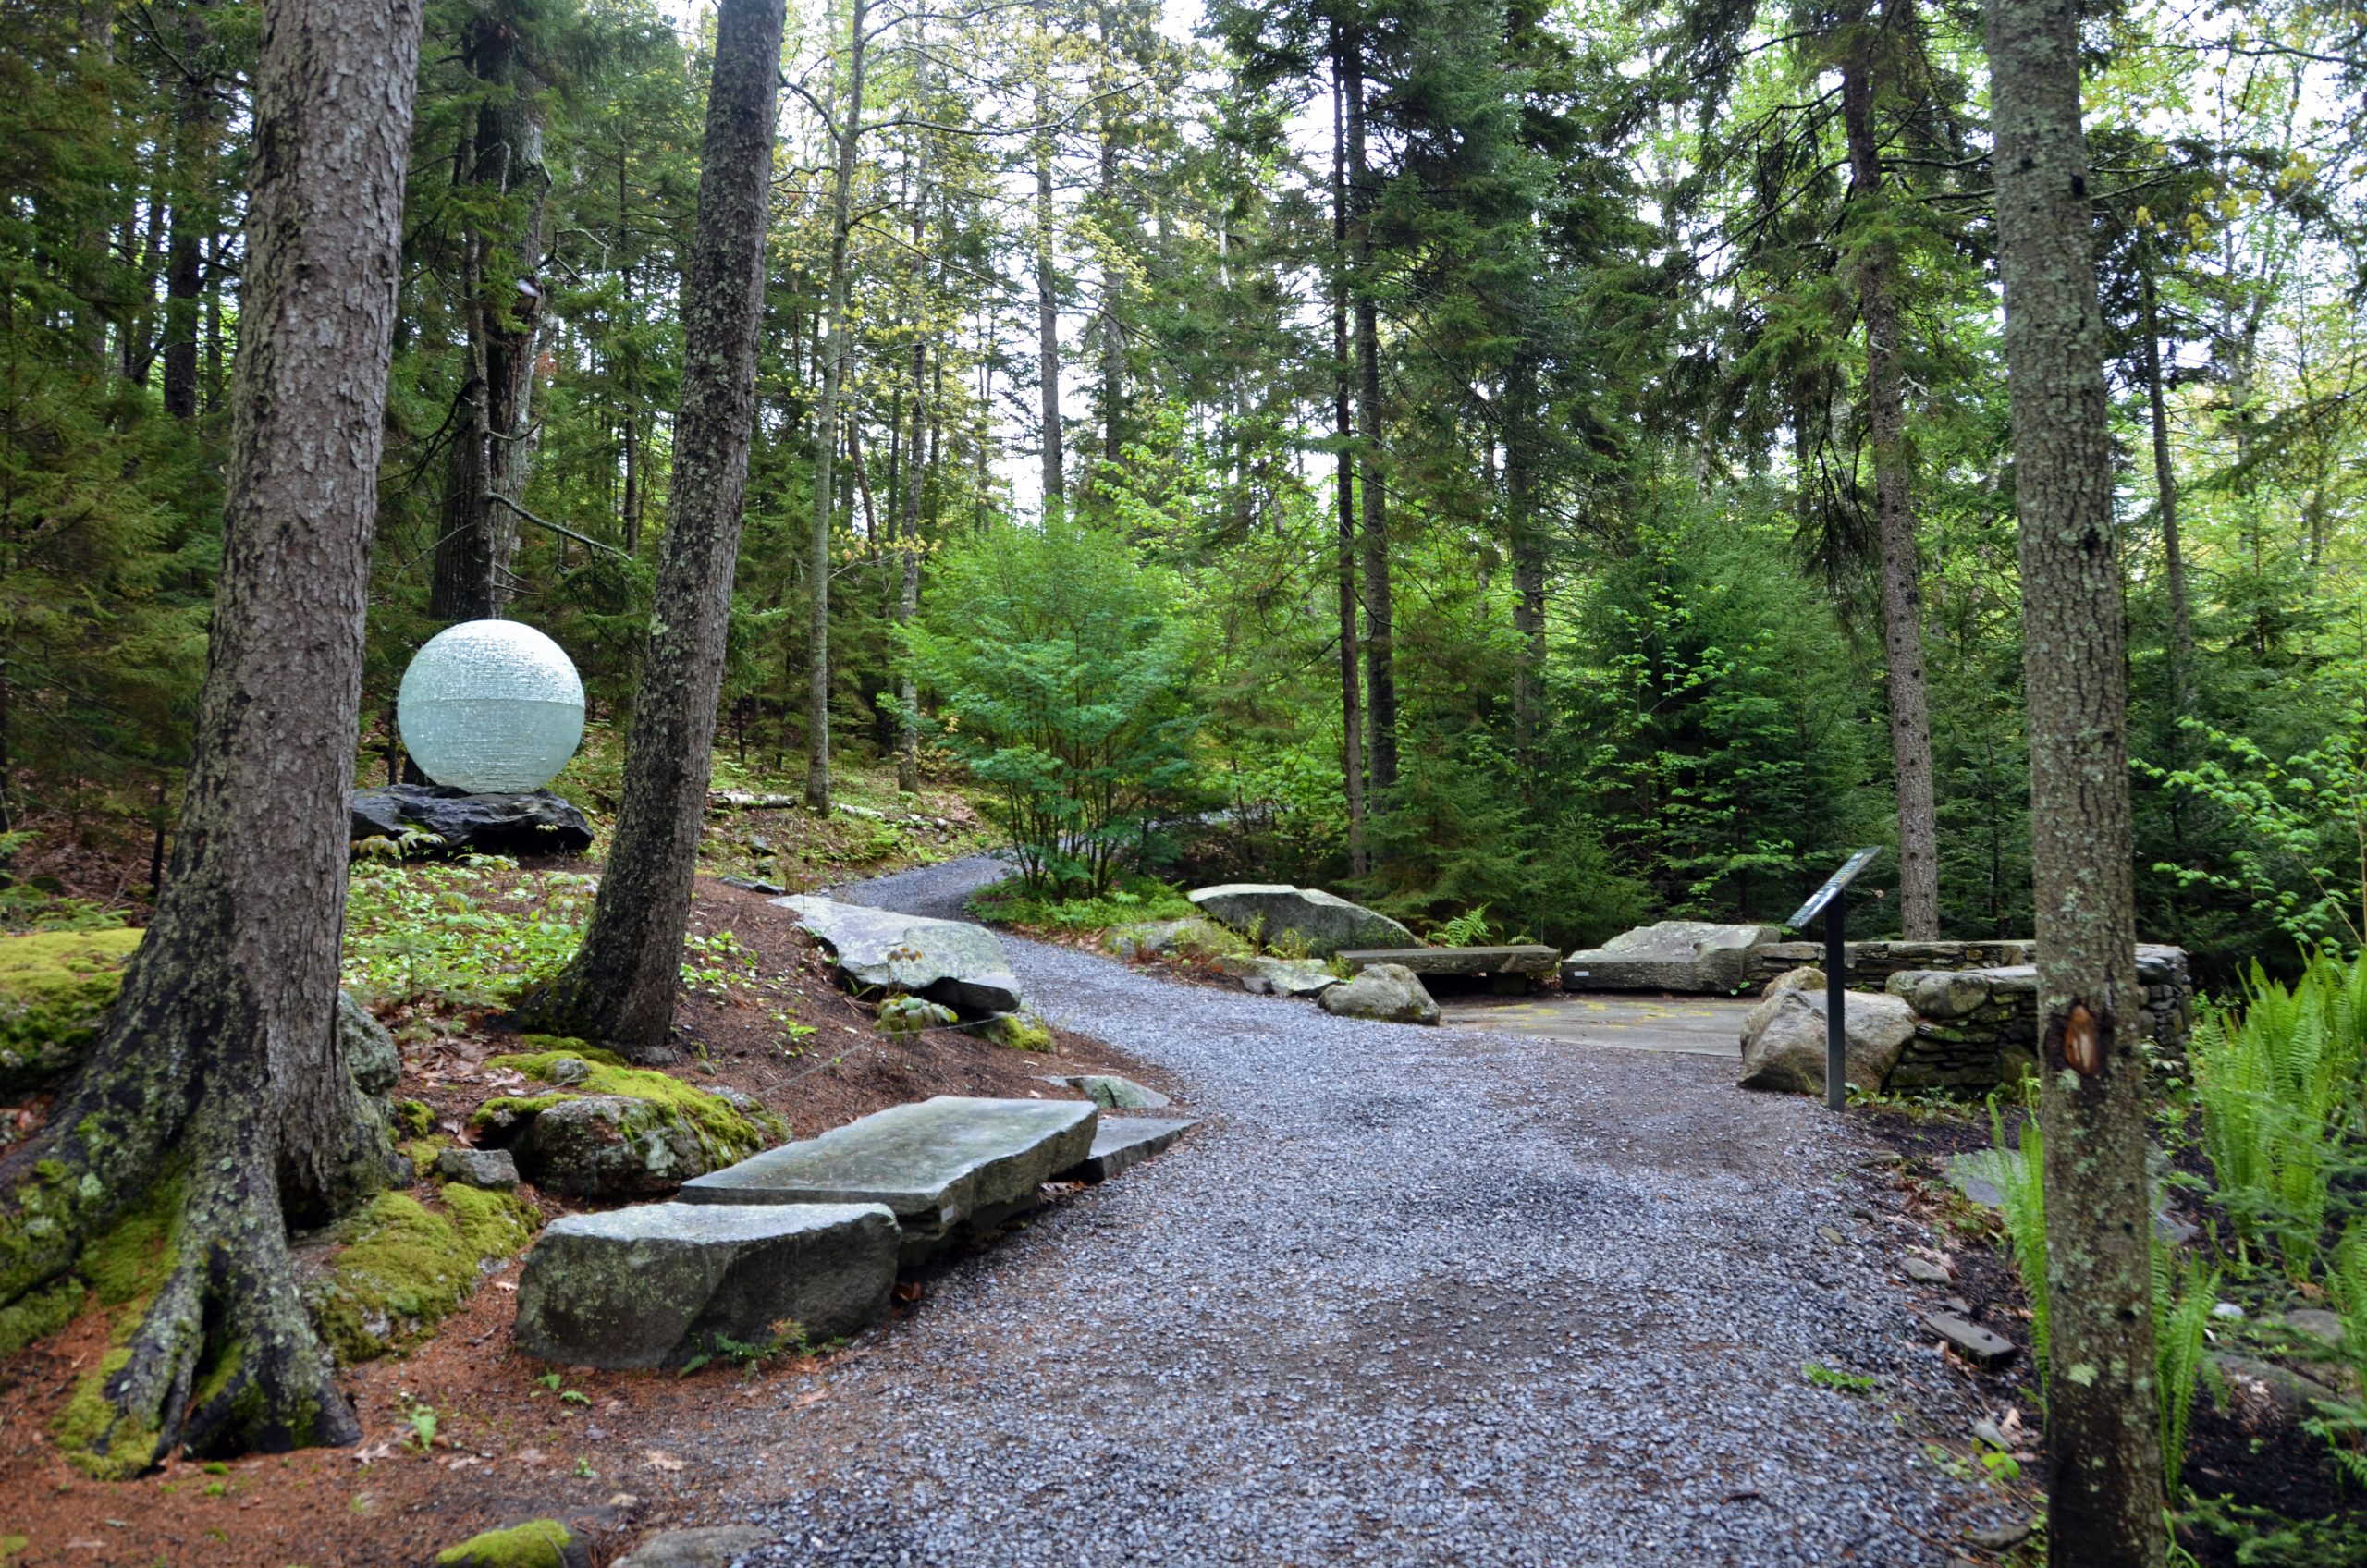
1828	900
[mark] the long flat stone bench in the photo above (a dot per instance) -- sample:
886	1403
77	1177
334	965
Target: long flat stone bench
662	1283
945	1167
1459	961
1123	1142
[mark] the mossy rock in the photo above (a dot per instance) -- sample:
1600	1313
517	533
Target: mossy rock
1016	1031
610	1131
538	1543
40	1315
404	1267
56	988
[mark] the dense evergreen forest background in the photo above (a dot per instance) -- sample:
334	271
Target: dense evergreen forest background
1549	459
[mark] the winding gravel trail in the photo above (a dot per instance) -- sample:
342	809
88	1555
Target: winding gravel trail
1409	1296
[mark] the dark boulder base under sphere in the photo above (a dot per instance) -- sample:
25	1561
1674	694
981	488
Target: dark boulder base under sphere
535	824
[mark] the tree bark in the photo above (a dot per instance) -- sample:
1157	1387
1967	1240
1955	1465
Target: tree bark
2165	492
219	1091
477	536
1113	344
1522	419
1902	591
826	430
908	528
1048	305
619	987
1352	718
1379	645
2104	1446
193	155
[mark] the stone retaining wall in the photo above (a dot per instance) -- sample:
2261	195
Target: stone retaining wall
1977	1028
1870	964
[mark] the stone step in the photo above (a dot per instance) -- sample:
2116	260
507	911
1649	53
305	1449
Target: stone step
946	1167
1522	960
1971	1341
1126	1141
661	1283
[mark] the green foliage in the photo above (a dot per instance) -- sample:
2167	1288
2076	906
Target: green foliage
1061	674
2280	1084
448	932
1840	1382
1130	899
2343	1422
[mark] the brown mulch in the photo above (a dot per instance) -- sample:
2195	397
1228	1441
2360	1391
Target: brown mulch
508	1448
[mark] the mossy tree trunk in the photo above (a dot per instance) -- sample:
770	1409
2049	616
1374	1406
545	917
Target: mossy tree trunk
2104	1462
218	1094
619	987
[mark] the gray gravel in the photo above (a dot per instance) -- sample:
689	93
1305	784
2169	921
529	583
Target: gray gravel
1410	1296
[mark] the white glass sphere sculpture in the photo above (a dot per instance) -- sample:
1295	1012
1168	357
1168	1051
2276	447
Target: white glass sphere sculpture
491	706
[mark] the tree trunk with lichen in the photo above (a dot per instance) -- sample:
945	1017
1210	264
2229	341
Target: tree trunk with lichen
2103	1446
620	986
217	1098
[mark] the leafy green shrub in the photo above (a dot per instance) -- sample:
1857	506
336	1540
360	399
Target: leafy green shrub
2344	1423
1062	669
2278	1082
435	931
1131	898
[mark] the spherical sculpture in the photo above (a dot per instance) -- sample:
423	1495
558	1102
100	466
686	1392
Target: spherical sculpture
491	706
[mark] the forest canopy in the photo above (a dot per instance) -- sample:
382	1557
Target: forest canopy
1551	457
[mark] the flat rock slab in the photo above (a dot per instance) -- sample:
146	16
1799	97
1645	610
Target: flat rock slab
943	1167
1670	955
535	824
1280	977
1458	961
1971	1341
659	1284
1325	922
1125	1140
951	961
1112	1093
718	1545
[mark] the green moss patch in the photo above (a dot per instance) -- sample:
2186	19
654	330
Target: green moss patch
89	1420
40	1315
405	1267
728	1132
538	1543
56	988
133	1259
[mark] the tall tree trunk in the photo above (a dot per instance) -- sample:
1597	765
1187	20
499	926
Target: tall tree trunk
1522	421
826	429
1380	656
1902	591
619	987
1047	306
219	1085
193	154
1113	344
2104	1447
2166	491
477	533
908	540
1352	716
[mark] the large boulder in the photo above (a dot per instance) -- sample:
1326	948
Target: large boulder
1280	977
947	1166
1390	993
1783	1040
662	1284
1669	955
951	961
535	824
1276	914
606	1130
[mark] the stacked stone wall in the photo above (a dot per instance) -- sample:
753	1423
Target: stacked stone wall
1977	1028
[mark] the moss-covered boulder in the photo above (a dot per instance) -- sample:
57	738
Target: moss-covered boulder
56	988
538	1543
404	1267
606	1130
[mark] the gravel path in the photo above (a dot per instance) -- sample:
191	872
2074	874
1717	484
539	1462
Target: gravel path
1410	1296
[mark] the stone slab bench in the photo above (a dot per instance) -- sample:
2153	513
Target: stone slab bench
1692	956
1123	1142
660	1284
1514	963
945	1167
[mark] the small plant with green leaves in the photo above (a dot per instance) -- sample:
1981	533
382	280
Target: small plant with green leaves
448	934
1469	929
421	1417
1840	1382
